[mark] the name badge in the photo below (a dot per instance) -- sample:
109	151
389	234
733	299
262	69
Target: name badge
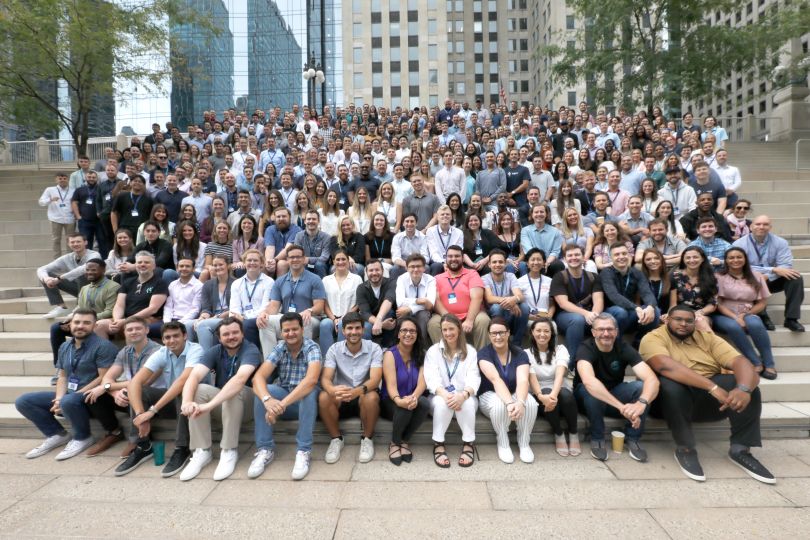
250	313
62	205
450	388
73	383
479	250
249	307
230	210
292	308
677	210
135	213
311	266
88	201
107	197
343	201
451	298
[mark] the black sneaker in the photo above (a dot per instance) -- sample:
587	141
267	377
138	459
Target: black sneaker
636	451
754	468
688	462
599	450
766	321
176	463
135	458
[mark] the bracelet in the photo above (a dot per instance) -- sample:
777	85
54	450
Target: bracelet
712	389
394	397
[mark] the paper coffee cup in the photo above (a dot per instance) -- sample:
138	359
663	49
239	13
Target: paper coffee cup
618	441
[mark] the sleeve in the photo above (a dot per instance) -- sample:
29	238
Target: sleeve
430	293
196	301
525	241
556	245
267	294
330	360
433	379
396	247
168	308
194	356
434	253
363	303
154	362
584	352
119	358
652	345
109	297
561	356
235	304
105	355
612	292
472	378
784	257
206	304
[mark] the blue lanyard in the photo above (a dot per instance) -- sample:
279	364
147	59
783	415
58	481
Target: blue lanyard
495	286
378	247
626	283
578	289
131	358
62	197
455	367
453	285
234	362
74	357
539	288
135	200
251	293
439	234
760	255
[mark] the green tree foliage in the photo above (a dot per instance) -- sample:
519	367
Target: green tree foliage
633	53
88	44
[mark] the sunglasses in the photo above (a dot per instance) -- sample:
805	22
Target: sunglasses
742	207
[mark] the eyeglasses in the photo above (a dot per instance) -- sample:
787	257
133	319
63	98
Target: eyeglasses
499	333
682	320
604	330
742	208
407	331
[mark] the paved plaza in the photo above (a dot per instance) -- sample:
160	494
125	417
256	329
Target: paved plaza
553	498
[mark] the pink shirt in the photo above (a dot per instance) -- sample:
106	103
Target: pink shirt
460	286
737	295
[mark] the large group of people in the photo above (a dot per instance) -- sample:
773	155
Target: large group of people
405	264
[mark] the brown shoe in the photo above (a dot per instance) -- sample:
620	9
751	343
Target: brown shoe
104	443
128	450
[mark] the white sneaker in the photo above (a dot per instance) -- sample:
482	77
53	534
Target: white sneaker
261	460
526	455
57	311
227	463
366	450
334	450
54	441
74	448
199	459
505	454
301	467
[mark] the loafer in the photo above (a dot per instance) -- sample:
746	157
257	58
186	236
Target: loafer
768	373
793	325
104	443
767	322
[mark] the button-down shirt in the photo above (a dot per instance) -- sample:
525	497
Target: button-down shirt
68	266
291	371
403	245
59	210
774	252
715	249
438	241
341	297
131	362
729	175
170	365
276	157
407	292
100	297
93	354
451	180
316	248
353	369
546	238
249	298
202	203
402	188
183	303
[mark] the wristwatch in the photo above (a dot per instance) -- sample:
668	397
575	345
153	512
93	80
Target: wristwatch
744	388
266	398
644	401
107	387
153	410
365	389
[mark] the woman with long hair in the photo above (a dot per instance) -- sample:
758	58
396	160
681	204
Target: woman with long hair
188	246
216	297
507	229
504	392
218	215
741	295
574	232
695	285
402	400
247	237
274	200
189	213
341	298
550	386
159	215
609	233
478	242
352	242
388	206
456	210
320	195
649	195
476	207
452	378
654	267
564	199
220	244
361	210
378	242
585	162
666	213
331	213
302	205
123	248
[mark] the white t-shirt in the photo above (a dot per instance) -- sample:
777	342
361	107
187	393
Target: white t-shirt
545	373
536	291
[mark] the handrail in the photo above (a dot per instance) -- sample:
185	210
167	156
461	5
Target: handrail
797	155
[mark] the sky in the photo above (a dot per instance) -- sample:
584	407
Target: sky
144	108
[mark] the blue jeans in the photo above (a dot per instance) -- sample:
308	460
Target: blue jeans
318	268
628	322
753	328
35	406
326	334
305	410
573	326
90	230
595	409
205	333
517	323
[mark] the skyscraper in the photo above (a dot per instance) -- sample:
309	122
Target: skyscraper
324	35
202	65
274	58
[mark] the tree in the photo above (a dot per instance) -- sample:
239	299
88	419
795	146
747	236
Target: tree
86	46
662	52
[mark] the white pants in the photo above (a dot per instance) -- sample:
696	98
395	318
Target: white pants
270	334
495	409
442	415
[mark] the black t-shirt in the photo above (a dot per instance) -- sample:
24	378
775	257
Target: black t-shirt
579	291
609	367
139	298
126	204
85	198
514	178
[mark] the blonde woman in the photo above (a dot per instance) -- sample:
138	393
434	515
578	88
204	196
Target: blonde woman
573	232
388	206
361	210
331	213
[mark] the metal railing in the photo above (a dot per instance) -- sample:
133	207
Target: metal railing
750	128
52	152
798	144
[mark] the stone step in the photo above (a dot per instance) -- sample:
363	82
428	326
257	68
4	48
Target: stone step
21	195
25	323
31	258
751	185
25	342
34	306
33	214
782	337
785	226
787	387
26	364
777	312
796	209
26	226
24	241
36	187
777	197
18	277
19	292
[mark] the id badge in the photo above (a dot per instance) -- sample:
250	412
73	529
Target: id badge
230	210
450	388
88	201
62	205
73	384
311	267
479	250
534	311
343	201
249	307
677	210
108	197
292	308
135	213
451	298
250	313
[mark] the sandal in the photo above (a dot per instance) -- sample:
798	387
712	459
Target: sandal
393	449
407	458
574	449
768	373
439	454
561	446
470	451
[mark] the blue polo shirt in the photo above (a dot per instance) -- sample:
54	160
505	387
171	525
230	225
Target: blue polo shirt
301	292
93	354
278	239
217	360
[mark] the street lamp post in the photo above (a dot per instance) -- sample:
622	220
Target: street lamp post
314	75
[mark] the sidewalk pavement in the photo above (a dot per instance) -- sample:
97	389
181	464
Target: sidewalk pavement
554	497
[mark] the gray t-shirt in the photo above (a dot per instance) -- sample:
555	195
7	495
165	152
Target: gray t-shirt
352	370
131	362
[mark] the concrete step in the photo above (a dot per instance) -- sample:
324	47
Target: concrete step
24	226
776	299
777	312
36	186
792	359
25	323
786	225
782	337
21	195
796	209
32	214
24	241
778	197
33	306
31	258
25	342
787	387
753	185
26	364
19	292
19	277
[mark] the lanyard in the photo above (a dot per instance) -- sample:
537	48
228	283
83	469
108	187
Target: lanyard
539	289
61	197
657	290
416	286
504	370
251	293
626	283
495	286
647	205
439	234
222	300
455	367
287	197
234	363
386	209
135	200
760	255
453	285
378	247
74	357
613	199
97	288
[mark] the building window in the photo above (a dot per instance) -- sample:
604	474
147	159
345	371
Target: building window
396	54
396	78
357	29
376	30
433	100
413	78
359	82
433	26
492	26
376	55
413	53
459	47
357	6
493	67
570	22
479	68
393	29
460	88
358	55
478	47
479	89
433	52
376	79
524	44
433	75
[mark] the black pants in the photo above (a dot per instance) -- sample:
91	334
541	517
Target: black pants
680	405
150	396
106	237
104	410
566	408
794	295
405	422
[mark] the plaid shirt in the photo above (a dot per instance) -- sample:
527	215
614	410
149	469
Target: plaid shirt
291	371
716	249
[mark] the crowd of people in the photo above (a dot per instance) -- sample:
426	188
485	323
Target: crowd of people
372	262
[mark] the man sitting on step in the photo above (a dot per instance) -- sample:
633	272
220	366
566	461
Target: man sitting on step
82	363
65	274
693	387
